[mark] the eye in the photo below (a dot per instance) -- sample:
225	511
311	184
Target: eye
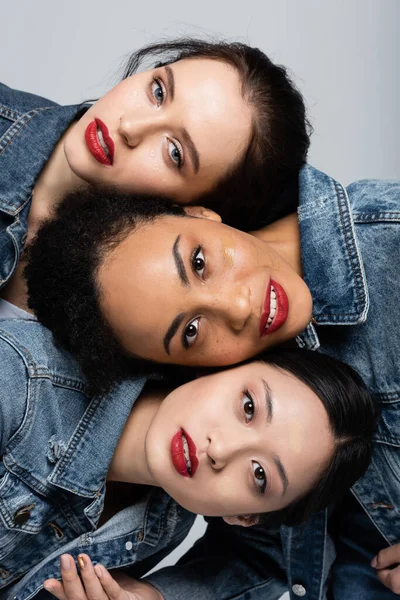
248	406
175	153
198	262
259	477
190	332
158	90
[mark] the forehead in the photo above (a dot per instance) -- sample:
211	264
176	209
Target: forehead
210	95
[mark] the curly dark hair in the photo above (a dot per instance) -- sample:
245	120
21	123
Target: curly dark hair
263	186
61	274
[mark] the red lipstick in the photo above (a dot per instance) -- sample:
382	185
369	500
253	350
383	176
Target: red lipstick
184	465
99	142
276	308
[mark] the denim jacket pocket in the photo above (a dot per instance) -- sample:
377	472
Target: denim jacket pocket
23	515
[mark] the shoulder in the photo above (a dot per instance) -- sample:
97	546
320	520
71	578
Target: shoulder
14	103
34	346
36	378
374	199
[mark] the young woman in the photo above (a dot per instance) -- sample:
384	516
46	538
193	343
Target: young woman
197	292
165	131
271	436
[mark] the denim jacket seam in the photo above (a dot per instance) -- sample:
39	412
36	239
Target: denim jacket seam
15	129
372	217
36	371
388	397
352	249
13	210
9	113
64	461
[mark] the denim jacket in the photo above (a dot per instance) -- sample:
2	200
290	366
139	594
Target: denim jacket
350	246
56	446
30	128
350	255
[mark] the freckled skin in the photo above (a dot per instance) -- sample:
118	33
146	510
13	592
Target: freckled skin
207	100
226	302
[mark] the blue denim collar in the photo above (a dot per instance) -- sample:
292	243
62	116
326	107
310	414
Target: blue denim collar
332	264
94	440
29	141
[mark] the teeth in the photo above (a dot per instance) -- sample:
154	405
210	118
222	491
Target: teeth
102	142
186	454
272	307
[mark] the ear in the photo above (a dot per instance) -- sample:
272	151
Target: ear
200	212
242	520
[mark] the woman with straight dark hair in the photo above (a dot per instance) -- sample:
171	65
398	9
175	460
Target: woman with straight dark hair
206	118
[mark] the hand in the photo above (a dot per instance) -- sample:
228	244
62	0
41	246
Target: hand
387	563
97	583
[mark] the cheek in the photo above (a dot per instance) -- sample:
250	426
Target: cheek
226	350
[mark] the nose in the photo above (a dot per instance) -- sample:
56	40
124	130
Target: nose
234	303
222	448
133	128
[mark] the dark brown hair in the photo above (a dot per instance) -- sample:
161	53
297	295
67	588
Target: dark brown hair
263	185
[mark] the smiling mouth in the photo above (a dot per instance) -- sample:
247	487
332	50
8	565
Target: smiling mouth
276	309
183	454
99	142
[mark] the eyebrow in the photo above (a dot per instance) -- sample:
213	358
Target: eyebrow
194	155
180	267
269	406
282	473
172	329
171	81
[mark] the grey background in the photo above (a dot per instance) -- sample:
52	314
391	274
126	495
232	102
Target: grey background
344	56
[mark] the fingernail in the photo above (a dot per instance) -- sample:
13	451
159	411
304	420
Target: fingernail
374	562
65	562
81	561
99	571
48	586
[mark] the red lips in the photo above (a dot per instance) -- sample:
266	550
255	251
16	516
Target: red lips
95	131
282	309
178	455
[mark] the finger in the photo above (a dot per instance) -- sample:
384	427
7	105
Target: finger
390	578
73	587
92	585
110	586
56	588
387	557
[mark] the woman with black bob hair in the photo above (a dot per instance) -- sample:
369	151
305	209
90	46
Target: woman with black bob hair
269	441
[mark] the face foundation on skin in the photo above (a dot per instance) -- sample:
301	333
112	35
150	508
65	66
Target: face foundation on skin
228	250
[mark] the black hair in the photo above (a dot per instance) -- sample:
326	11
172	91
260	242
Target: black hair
263	186
61	273
352	413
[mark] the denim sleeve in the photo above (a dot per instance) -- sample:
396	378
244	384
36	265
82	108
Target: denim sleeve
227	562
14	383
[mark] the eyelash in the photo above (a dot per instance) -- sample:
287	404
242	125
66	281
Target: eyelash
260	488
248	398
159	82
195	256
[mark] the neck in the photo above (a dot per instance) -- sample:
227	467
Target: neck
53	183
129	462
284	237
